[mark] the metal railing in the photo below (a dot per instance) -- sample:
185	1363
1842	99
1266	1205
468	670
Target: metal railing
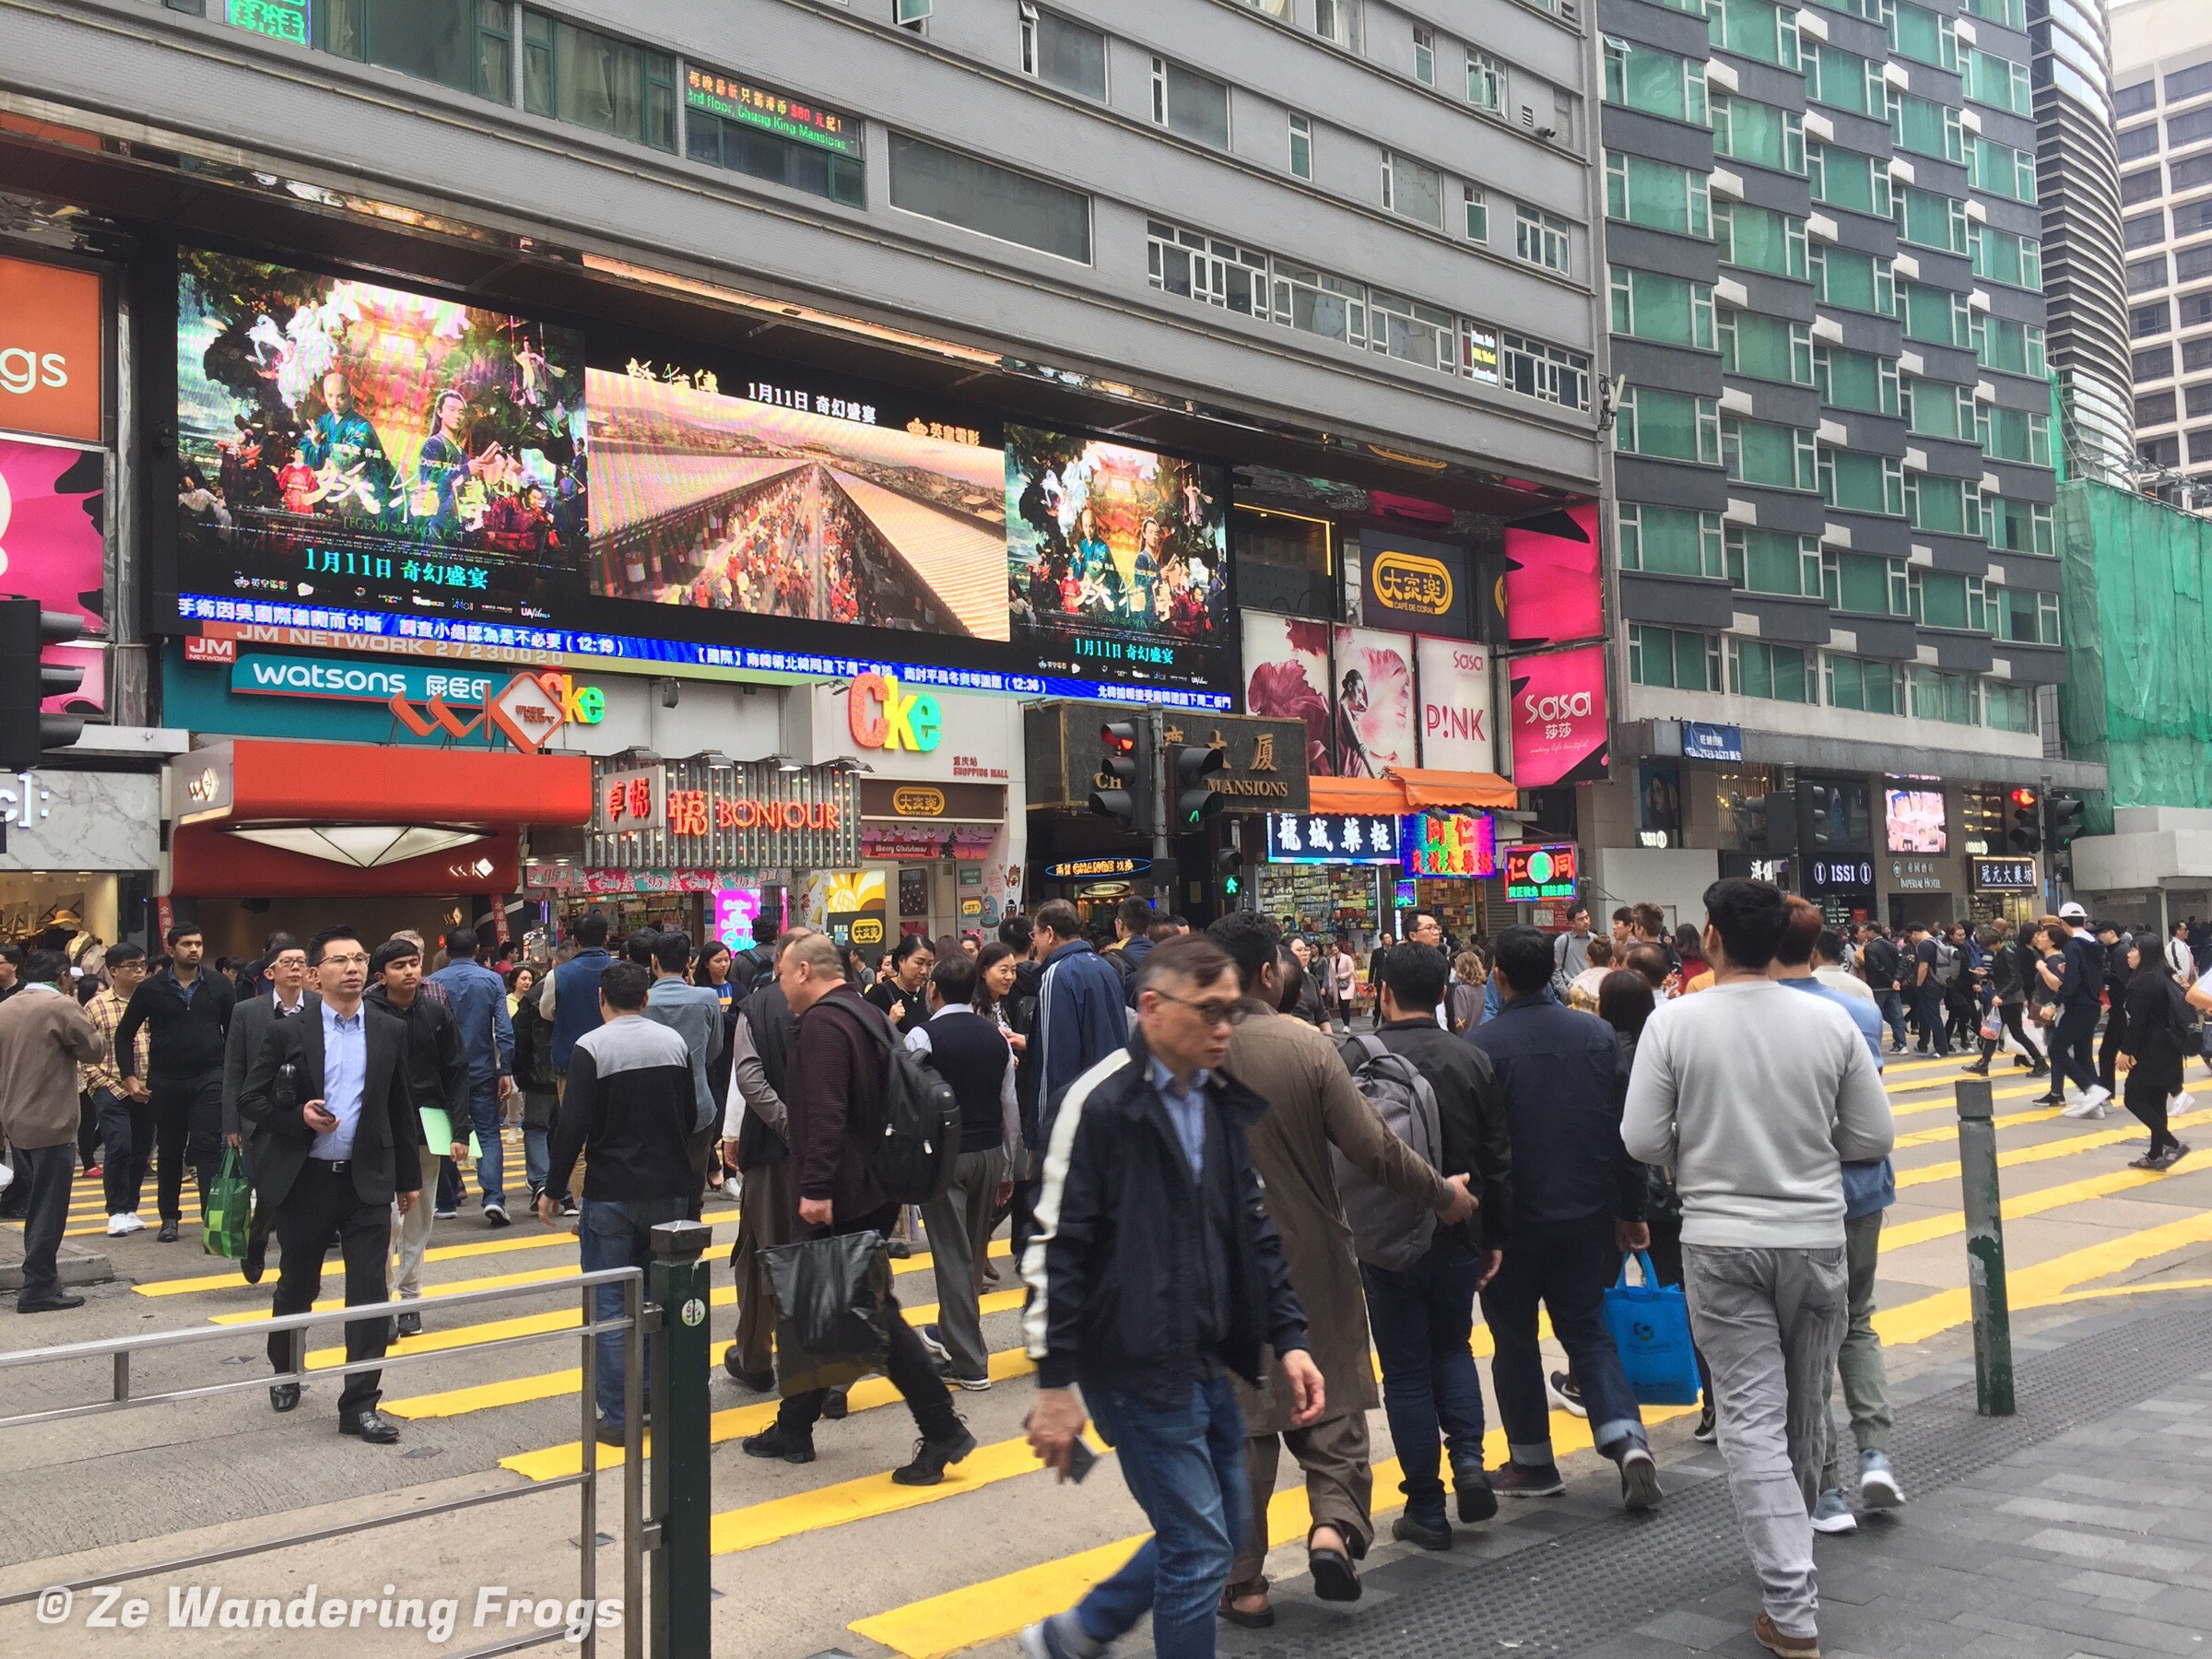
673	1273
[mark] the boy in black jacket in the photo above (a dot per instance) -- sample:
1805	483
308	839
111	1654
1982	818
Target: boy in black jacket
188	1013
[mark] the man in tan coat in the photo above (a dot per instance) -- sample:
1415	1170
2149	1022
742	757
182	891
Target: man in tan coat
1314	1105
44	1036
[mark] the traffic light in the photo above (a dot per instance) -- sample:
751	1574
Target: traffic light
2066	821
1194	799
1229	864
1125	776
1769	823
25	683
1824	820
2026	834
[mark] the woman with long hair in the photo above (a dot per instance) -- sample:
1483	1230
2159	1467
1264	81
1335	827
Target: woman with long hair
2154	1053
1463	1001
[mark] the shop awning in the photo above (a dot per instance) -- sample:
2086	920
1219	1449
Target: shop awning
1408	789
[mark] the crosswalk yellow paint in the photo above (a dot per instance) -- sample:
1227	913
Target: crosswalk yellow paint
2047	1150
1905	1234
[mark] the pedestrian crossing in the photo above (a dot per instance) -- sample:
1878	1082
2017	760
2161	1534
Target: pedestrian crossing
776	1508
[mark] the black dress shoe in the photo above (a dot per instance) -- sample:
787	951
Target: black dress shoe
837	1405
372	1425
407	1325
284	1395
759	1382
255	1259
168	1235
60	1302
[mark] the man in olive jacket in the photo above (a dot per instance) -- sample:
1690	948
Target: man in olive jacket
43	1037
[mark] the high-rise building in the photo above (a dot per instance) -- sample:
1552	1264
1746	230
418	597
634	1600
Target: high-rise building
2085	280
1833	453
2163	91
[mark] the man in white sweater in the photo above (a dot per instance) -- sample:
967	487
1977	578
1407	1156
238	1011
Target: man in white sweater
1756	1096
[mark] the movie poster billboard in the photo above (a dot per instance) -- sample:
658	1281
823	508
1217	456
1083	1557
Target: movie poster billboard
1558	718
1287	678
53	544
1374	703
1116	557
1552	593
375	444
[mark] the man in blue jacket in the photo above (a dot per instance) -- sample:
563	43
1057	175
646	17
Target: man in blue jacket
1156	1275
477	998
1578	1204
570	995
1082	1017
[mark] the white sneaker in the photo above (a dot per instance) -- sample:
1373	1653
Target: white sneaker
120	1224
1832	1514
1877	1483
2080	1106
2100	1097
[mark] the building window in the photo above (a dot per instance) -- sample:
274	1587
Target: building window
1196	266
830	167
1759	452
1668	425
580	75
1670	541
1062	53
1658	83
2144	228
1317	303
1763	348
1773	562
2137	99
2156	409
1674	659
2155	364
464	45
2152	319
1486	81
1854	481
1541	238
1754	29
1192	105
1779	673
1476	205
1951	698
1412	189
1759	239
1411	331
2008	707
1550	373
2191	128
1657	196
911	13
2196	354
2024	617
1864	685
1301	146
1670	310
1424	56
2145	186
1337	22
979	195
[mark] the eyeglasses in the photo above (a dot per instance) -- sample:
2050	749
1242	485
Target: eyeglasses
1212	1013
347	960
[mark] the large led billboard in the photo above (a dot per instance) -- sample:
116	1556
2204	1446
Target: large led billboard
367	460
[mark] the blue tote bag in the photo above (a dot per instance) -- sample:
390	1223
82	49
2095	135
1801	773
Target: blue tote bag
1650	1325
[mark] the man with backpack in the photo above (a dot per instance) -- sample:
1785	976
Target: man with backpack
1315	1114
1421	1302
839	1100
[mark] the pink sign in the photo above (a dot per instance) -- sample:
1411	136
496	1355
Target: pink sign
1551	579
1457	730
1287	666
1559	718
1374	701
52	550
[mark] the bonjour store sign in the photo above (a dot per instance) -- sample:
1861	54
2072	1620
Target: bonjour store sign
701	814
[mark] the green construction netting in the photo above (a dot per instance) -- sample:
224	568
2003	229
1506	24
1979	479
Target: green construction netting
2134	574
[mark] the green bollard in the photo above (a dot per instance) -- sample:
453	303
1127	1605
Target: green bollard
1985	1248
681	1493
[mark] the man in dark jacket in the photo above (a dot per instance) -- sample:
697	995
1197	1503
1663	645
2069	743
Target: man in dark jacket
570	995
836	1101
1578	1202
2117	975
756	1129
629	1114
188	1013
2008	982
437	1068
1082	1017
1156	1275
1131	925
1423	1316
249	1023
2080	989
1878	963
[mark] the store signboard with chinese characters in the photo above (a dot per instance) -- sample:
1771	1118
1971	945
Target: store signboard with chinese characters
1557	717
1410	582
2002	874
1265	767
1916	874
1549	871
1332	838
1451	843
712	814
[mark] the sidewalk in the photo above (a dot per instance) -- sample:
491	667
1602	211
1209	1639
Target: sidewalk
77	1265
2077	1527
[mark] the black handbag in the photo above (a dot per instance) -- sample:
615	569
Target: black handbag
833	1310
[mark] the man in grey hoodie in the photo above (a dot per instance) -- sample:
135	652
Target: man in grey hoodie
693	1012
1755	1095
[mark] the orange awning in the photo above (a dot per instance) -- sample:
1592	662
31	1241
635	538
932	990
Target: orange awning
1408	789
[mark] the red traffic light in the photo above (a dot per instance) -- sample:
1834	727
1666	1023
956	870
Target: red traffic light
1119	736
2024	799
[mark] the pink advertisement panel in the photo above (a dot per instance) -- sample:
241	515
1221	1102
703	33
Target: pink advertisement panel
1374	726
1551	579
1558	717
51	550
1287	678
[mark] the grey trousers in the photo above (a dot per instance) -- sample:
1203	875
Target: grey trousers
1859	1361
955	1222
411	1233
1769	1323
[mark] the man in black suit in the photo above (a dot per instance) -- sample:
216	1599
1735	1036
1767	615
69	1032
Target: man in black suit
249	1021
335	1138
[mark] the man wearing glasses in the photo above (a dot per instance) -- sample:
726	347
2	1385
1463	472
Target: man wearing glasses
1154	1276
333	1134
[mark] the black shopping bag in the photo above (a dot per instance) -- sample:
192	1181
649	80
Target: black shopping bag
834	1309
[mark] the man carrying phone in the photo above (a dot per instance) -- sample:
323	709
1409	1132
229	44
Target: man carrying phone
1151	1210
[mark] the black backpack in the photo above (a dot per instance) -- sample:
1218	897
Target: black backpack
913	1159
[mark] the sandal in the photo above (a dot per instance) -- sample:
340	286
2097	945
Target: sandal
1262	1620
2149	1160
1334	1579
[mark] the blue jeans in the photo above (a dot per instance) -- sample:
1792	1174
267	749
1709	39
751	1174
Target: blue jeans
617	1232
1893	1006
1927	1004
1184	1466
537	1157
1567	1269
484	1111
1421	1318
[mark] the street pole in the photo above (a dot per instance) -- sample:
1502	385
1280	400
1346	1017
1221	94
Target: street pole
1161	774
1984	1248
682	1496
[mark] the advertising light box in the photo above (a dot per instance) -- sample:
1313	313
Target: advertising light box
366	460
1534	874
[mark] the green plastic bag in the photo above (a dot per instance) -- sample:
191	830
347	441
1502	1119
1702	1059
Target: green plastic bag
230	1208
